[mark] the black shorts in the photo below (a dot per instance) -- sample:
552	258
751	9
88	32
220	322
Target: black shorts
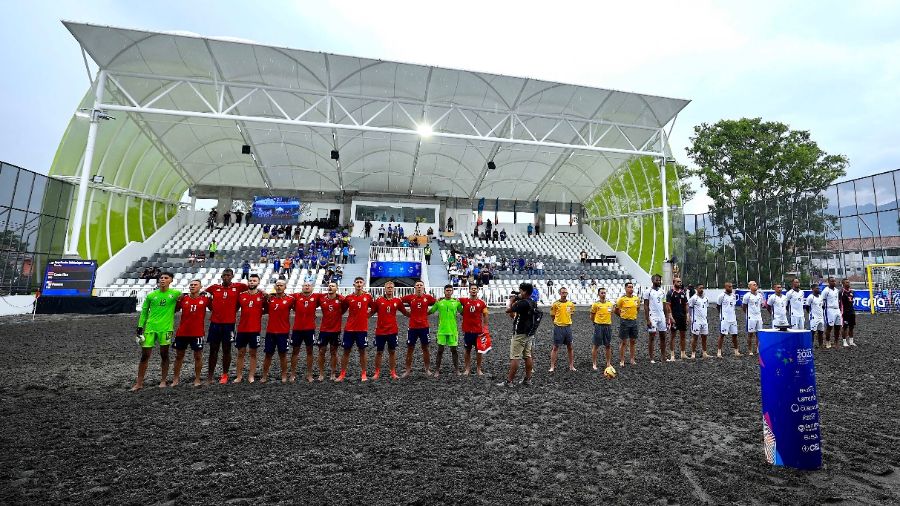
628	329
301	337
220	333
680	322
470	338
332	339
850	319
247	340
182	343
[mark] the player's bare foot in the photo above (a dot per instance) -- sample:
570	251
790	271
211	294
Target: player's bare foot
458	372
363	377
480	372
694	355
223	380
572	368
263	379
238	379
594	367
652	361
309	378
340	378
551	370
437	374
633	362
466	372
284	379
162	384
428	372
174	383
406	374
136	388
706	355
321	378
251	379
738	354
197	383
293	378
621	363
394	376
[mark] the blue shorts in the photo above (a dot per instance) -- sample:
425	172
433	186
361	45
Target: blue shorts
247	339
273	340
220	333
182	343
562	335
301	337
470	338
352	337
389	339
329	338
414	335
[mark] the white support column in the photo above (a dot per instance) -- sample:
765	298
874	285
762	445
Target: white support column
665	197
78	219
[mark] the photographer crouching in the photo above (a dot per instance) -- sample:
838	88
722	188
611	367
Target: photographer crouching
521	308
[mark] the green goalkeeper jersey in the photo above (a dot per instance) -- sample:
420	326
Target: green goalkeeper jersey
447	310
158	311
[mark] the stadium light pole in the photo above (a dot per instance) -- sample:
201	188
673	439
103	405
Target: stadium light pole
96	113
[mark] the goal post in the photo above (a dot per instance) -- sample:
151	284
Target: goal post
883	280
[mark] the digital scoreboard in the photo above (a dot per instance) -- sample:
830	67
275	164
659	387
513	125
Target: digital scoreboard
73	278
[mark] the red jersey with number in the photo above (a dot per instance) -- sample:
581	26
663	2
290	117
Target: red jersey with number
473	309
387	309
279	309
193	316
358	312
305	310
225	301
252	305
332	309
418	309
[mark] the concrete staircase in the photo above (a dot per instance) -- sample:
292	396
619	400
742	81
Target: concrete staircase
361	266
437	271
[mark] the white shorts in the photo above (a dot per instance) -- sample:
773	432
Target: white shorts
833	317
816	325
657	325
797	322
699	328
728	328
754	325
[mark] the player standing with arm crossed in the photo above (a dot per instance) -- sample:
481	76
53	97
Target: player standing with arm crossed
728	320
358	305
698	305
386	329
418	326
156	323
752	303
252	304
221	323
332	306
834	318
677	302
474	323
815	308
304	331
656	314
561	310
190	330
778	307
796	299
278	328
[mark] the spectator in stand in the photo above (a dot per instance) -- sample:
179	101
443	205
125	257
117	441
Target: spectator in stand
549	287
430	232
345	254
454	281
539	268
287	266
213	247
503	235
521	265
381	232
485	276
352	252
583	279
249	216
476	230
488	227
400	231
503	264
238	217
336	253
192	258
274	232
496	235
390	231
449	224
245	270
147	273
309	278
287	231
530	268
210	222
276	265
593	283
583	257
427	252
537	229
226	218
297	233
530	229
266	229
264	256
338	274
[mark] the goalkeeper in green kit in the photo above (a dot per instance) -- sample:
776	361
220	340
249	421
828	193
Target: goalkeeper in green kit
447	334
157	325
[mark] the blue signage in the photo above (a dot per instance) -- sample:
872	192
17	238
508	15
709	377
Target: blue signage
69	278
395	270
790	405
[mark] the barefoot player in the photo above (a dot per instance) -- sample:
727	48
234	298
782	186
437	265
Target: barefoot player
698	319
474	323
796	299
278	329
190	330
753	303
627	311
448	330
656	314
417	304
677	302
601	315
155	325
815	310
304	332
561	310
332	307
728	319
252	304
848	311
387	307
358	304
834	320
778	307
221	323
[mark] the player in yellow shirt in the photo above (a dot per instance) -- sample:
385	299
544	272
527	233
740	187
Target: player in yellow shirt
627	310
561	311
601	315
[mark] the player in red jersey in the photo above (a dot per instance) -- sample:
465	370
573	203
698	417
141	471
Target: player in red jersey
418	326
474	322
193	306
278	328
221	323
332	307
252	304
386	308
304	332
358	305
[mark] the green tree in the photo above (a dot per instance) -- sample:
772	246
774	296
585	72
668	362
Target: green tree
766	182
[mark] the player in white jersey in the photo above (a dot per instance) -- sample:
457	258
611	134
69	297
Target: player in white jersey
834	318
815	309
796	298
656	312
728	319
778	307
698	320
753	302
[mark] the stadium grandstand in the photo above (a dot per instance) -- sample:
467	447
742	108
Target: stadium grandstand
580	180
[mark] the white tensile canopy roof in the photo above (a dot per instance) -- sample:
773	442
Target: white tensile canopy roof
202	98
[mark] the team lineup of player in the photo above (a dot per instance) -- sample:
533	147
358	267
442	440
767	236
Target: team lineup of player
829	314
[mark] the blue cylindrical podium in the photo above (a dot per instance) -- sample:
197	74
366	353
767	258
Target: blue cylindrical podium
790	406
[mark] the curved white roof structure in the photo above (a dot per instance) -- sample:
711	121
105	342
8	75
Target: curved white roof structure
199	99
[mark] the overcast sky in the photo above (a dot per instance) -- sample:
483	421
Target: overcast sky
829	67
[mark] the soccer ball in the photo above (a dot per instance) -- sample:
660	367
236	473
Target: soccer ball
610	372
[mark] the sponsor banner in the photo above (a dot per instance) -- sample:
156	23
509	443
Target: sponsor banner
790	406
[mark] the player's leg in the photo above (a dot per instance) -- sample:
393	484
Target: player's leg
720	343
180	346
693	343
380	342
146	353
239	363
226	354
214	339
321	363
392	355
734	340
454	353
681	337
345	357
426	352
252	352
479	359
441	339
554	352
467	358
309	357
651	337
197	346
164	363
296	345
362	344
269	351
704	354
851	325
410	350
